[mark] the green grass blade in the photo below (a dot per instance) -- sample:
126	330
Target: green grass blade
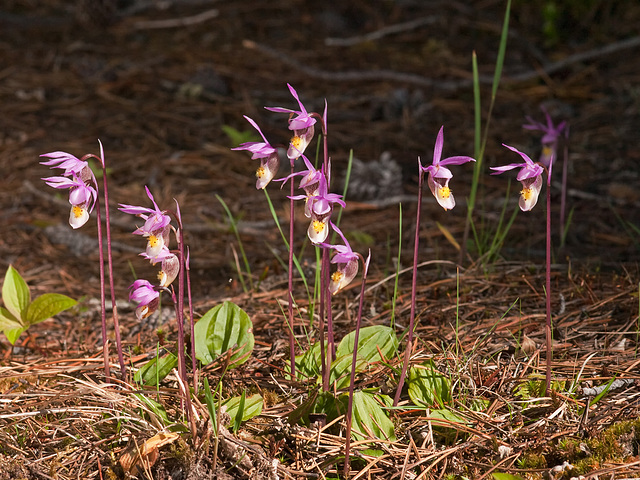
234	228
501	51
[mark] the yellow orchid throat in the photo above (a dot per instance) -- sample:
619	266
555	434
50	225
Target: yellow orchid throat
526	193
444	192
154	241
77	211
297	142
318	226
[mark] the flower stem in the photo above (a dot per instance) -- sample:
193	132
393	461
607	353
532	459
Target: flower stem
326	356
107	221
563	192
103	308
349	416
416	244
179	303
548	286
292	348
194	363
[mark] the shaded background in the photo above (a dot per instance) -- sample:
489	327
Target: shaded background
158	97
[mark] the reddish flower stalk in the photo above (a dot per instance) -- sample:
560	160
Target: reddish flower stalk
194	362
349	415
103	306
114	306
438	181
412	315
548	284
530	175
292	346
83	196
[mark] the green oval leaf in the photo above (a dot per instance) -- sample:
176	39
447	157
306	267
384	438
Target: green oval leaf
251	408
370	419
222	329
371	342
15	294
156	369
341	370
46	306
427	386
10	325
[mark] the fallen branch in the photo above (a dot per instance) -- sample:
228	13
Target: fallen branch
616	384
378	34
177	22
448	85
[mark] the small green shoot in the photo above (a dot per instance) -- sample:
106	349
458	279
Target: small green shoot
347	177
236	137
599	396
19	312
565	227
211	406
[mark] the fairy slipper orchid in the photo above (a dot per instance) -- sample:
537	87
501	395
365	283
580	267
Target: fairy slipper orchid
530	176
439	174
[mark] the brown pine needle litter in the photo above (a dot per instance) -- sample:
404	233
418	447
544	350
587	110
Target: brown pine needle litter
58	419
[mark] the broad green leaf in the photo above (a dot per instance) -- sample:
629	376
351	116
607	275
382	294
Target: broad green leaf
225	327
7	320
506	476
13	334
372	452
15	294
370	340
308	364
46	306
448	415
341	370
330	405
252	407
155	370
448	427
427	386
304	409
10	325
154	407
370	419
